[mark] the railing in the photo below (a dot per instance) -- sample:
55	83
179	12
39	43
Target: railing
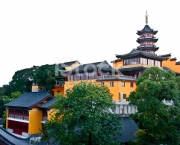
146	45
168	102
147	37
20	117
44	118
116	77
124	109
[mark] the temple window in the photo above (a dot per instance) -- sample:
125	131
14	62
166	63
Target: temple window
124	96
143	60
131	61
157	63
77	77
72	78
122	84
131	84
150	62
102	83
86	76
83	76
69	77
92	75
111	84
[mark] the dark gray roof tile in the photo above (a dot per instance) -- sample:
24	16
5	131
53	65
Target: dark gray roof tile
129	69
102	66
11	139
146	29
136	53
178	63
128	131
48	104
29	99
166	55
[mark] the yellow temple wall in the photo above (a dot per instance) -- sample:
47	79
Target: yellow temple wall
7	114
171	64
118	64
68	85
117	89
35	118
59	89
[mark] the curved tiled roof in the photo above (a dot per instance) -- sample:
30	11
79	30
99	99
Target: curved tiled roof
146	29
172	59
178	63
137	53
48	104
11	139
166	55
102	66
29	99
129	69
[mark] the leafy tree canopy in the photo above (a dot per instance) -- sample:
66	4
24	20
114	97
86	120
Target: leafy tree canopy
15	95
3	100
158	122
45	77
1	107
2	91
22	80
84	116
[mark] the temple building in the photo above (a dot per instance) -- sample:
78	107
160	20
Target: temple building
144	56
27	114
101	73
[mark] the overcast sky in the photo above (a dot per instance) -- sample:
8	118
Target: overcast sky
38	32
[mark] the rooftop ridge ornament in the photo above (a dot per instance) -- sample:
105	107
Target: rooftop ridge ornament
146	18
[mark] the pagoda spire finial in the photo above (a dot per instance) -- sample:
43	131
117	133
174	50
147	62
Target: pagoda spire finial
146	18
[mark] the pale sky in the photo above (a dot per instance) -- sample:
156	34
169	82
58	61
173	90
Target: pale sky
38	32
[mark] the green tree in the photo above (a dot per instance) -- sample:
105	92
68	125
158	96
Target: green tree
15	95
1	107
3	100
159	123
2	91
84	117
21	80
45	77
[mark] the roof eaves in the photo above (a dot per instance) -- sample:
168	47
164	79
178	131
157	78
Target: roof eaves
178	63
166	55
173	59
45	106
153	56
48	96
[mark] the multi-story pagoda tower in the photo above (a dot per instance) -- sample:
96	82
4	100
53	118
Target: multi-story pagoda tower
146	38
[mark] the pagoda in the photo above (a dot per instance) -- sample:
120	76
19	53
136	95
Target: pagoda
142	57
146	38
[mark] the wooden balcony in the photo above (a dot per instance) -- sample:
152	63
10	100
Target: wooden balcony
19	117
